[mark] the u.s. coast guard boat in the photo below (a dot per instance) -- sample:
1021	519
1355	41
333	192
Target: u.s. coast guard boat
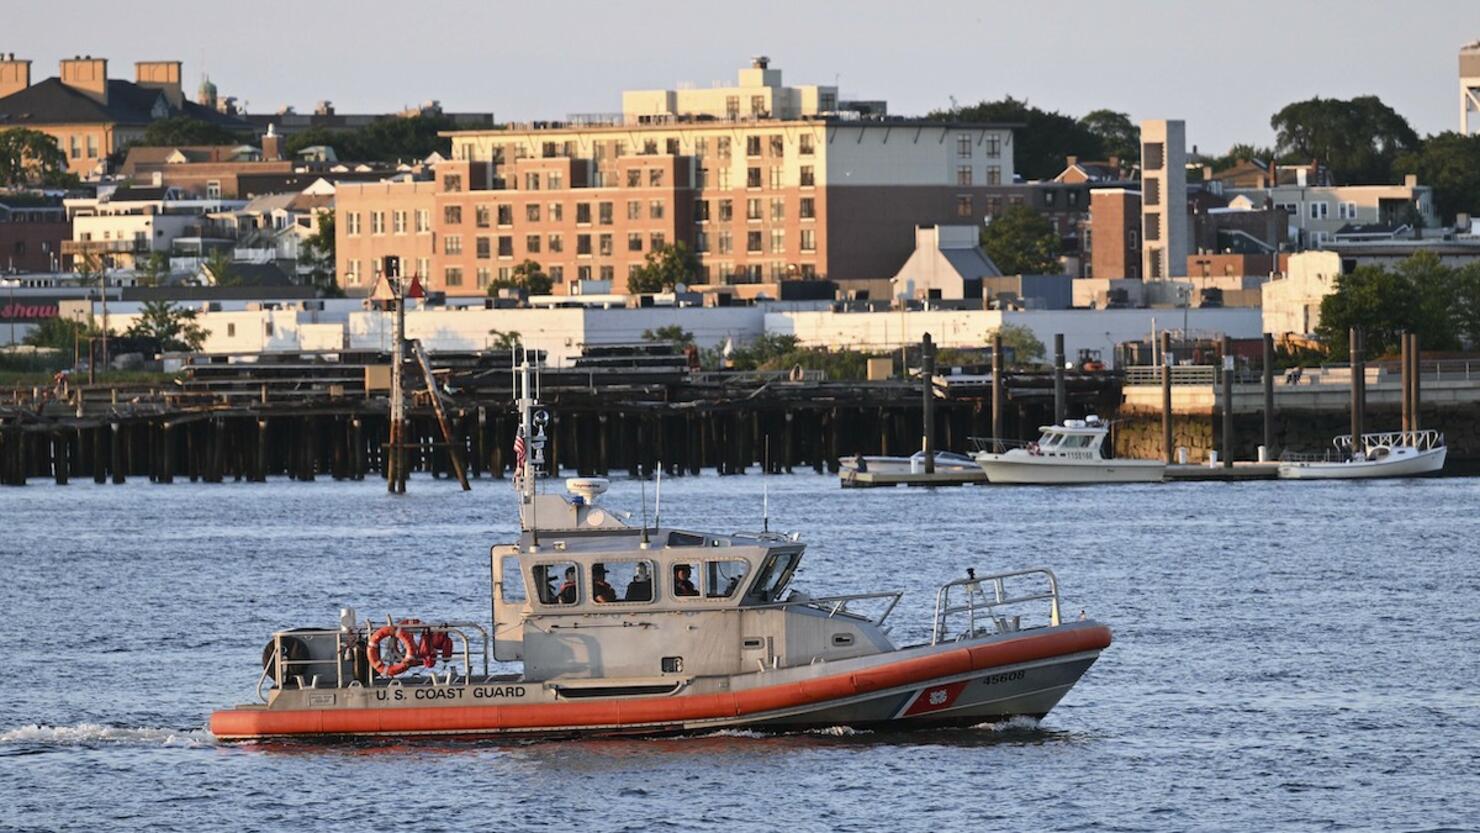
626	630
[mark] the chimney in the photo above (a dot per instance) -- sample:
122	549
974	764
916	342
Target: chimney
163	76
87	75
15	75
1071	161
1410	181
272	145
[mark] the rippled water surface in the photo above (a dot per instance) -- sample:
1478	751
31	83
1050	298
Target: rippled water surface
1288	656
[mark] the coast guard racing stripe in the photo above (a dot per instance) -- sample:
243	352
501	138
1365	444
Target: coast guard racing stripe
935	698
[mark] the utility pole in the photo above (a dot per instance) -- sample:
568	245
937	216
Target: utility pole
396	470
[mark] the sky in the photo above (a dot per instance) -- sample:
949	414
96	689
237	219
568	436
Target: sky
1224	68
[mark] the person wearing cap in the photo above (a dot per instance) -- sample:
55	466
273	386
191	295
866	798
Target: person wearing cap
601	591
682	585
640	588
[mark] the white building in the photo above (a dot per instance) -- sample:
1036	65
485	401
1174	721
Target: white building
1164	241
758	95
948	262
1292	302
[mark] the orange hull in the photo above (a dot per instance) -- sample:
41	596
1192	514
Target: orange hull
658	712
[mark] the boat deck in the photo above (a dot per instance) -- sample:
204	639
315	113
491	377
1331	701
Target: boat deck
871	479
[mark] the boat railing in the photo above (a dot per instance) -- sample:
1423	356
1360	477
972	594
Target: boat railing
839	605
998	445
989	600
1327	456
1425	440
349	644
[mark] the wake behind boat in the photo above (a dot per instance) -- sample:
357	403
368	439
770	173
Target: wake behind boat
1391	454
634	630
1072	453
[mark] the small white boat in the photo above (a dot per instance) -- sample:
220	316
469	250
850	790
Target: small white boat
1063	454
1391	454
945	461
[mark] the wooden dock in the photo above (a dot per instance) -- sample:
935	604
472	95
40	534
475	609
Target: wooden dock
1238	471
873	479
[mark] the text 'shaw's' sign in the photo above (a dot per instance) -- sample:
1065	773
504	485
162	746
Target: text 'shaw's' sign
30	310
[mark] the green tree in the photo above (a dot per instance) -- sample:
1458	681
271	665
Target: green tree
1022	242
57	333
184	130
1040	145
664	268
1450	163
154	271
1118	135
1420	295
672	332
175	328
1021	341
1467	303
1359	140
219	264
320	254
387	139
504	340
528	276
30	157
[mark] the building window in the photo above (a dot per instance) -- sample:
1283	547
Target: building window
634	177
604	213
722	178
634	241
1073	198
809	240
778	147
452	215
808	176
424	266
398	222
732	106
76	148
452	244
757	105
778	241
1135	239
993	146
532	212
557	212
1151	190
352	224
804	144
701	146
452	183
1049	198
482	217
482	276
1153	156
778	209
1153	226
724	242
483	248
583	213
555	180
605	245
753	242
453	276
649	147
583	244
655	210
722	144
752	146
634	209
963	145
776	178
92	149
753	209
963	174
963	205
701	211
807	208
994	175
532	244
506	245
701	242
557	274
726	211
671	146
1318	210
655	177
1155	258
506	215
213	187
557	244
423	220
531	181
656	240
377	222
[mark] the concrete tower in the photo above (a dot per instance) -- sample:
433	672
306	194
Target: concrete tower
1163	199
1469	89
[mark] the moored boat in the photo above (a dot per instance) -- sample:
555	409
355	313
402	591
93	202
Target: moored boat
1072	453
1390	454
945	461
624	629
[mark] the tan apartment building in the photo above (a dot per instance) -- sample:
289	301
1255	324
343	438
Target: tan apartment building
374	220
91	115
760	94
758	201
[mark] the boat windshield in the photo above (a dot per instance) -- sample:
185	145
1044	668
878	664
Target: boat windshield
1076	441
773	577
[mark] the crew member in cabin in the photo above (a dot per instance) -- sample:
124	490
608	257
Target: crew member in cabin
682	585
640	588
601	591
567	594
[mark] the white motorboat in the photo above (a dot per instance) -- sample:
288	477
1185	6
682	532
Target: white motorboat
945	461
1391	454
1063	454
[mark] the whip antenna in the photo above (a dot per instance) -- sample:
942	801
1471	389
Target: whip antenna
766	490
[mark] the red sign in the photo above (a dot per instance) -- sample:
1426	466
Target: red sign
935	698
18	311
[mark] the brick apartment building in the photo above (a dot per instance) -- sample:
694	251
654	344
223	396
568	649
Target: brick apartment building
31	237
759	200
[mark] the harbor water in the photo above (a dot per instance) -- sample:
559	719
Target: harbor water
1288	656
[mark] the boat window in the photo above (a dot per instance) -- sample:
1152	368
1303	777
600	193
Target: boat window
1049	439
685	539
723	578
557	583
622	581
684	579
1078	441
513	579
772	579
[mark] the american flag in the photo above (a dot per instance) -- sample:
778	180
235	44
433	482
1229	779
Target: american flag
519	452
